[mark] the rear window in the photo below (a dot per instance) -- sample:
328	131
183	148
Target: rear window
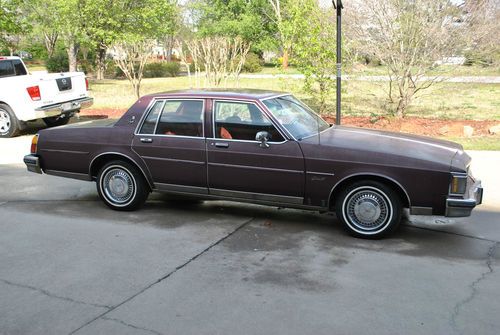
19	67
6	68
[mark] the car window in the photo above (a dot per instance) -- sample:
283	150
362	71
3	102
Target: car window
149	125
6	68
242	121
181	118
20	69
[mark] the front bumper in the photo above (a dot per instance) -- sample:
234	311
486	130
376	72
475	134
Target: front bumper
65	107
457	207
33	163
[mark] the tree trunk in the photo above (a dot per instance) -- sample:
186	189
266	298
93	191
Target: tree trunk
285	59
11	51
169	44
50	43
72	51
100	61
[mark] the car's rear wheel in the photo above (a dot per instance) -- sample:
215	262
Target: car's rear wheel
9	124
369	209
121	186
55	121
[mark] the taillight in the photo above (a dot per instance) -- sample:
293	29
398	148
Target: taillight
87	83
34	92
34	144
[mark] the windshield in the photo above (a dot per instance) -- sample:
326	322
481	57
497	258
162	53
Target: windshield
296	117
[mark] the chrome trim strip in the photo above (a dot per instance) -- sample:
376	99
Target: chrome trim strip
257	196
181	188
247	200
173	160
416	210
165	99
255	168
321	173
67	151
120	154
73	175
265	112
243	141
174	136
276	96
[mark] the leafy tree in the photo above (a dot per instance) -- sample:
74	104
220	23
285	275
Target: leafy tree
58	19
144	24
12	24
248	19
314	48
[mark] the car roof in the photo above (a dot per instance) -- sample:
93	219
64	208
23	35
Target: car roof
8	57
247	94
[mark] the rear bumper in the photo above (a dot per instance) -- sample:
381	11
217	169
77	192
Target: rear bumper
64	107
456	207
33	163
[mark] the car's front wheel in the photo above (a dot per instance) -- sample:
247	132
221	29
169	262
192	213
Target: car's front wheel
369	209
121	186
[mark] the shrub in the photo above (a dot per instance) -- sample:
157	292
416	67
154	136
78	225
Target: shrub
57	63
252	63
158	70
172	68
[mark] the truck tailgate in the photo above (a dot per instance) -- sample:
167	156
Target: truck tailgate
61	87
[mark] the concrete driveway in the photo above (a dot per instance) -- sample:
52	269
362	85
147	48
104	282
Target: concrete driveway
69	265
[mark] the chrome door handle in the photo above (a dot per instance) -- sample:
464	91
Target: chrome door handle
221	145
146	140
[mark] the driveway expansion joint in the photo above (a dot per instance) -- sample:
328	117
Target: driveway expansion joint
474	287
131	325
51	295
180	267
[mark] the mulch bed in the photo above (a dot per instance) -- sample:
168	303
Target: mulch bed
413	125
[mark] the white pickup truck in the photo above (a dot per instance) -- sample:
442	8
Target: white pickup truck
53	97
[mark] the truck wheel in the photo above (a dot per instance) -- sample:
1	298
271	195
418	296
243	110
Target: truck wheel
121	186
9	124
55	121
369	209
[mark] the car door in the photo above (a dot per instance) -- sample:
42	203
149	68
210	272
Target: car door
240	167
171	142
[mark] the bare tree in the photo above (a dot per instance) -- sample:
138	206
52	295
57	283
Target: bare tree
131	57
409	37
482	17
219	57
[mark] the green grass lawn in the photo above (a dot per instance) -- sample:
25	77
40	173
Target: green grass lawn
360	98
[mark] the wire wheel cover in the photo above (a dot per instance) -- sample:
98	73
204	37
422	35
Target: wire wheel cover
118	185
368	209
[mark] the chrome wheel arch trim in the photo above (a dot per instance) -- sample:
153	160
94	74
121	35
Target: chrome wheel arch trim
151	185
369	174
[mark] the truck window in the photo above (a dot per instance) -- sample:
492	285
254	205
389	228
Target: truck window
20	69
6	69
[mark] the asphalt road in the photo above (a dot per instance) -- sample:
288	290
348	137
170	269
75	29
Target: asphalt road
69	265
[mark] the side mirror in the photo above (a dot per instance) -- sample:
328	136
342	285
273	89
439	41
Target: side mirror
262	137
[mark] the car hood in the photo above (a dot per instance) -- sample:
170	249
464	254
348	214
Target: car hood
381	147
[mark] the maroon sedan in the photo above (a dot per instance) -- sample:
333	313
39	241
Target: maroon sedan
262	147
